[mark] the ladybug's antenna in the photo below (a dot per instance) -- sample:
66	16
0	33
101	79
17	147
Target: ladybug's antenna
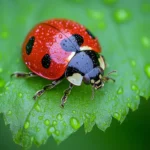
106	78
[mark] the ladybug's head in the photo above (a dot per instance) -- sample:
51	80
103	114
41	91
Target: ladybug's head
96	78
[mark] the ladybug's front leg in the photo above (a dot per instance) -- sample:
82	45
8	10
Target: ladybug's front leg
23	75
45	88
66	93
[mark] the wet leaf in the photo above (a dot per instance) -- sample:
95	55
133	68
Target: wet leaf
123	31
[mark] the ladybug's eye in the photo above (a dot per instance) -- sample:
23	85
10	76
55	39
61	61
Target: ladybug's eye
90	34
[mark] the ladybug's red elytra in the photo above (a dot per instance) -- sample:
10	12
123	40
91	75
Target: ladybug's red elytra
60	48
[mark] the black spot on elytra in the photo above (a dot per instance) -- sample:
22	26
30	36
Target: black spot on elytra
90	33
79	39
29	45
46	60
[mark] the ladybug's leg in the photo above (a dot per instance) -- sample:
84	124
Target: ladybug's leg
66	93
23	75
45	88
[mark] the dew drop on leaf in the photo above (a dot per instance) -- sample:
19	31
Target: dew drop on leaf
54	122
2	83
117	116
37	107
4	34
74	111
40	117
147	70
102	25
20	95
74	123
133	63
9	112
37	129
27	124
1	70
145	41
120	90
50	130
129	105
64	123
47	122
122	15
59	117
134	87
57	132
97	15
137	97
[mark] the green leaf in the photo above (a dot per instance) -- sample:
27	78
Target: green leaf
123	30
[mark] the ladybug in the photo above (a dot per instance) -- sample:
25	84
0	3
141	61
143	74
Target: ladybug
61	48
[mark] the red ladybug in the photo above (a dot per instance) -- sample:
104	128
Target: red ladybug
60	48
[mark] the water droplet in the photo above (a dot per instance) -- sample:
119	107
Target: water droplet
129	105
59	117
60	36
4	34
2	83
9	112
147	70
117	116
74	111
134	87
64	123
47	122
120	90
27	124
102	25
20	95
133	63
1	70
57	133
74	123
37	129
122	15
97	15
145	41
110	2
142	93
50	130
54	122
40	117
37	107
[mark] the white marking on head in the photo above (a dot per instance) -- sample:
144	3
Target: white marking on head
102	62
92	81
98	81
83	48
75	79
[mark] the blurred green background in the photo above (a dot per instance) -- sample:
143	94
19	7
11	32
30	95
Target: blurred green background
20	16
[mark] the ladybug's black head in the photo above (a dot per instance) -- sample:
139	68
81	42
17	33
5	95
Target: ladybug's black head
96	78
